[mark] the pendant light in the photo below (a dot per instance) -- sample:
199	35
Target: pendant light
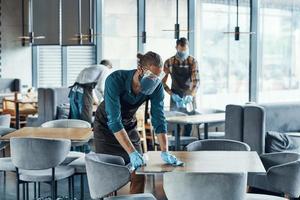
237	33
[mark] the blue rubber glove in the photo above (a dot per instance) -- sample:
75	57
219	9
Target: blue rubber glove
170	159
176	98
136	159
180	104
188	99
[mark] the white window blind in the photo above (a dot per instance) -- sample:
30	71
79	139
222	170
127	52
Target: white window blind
49	68
78	58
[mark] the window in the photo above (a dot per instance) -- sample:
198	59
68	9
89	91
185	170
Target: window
49	68
160	28
280	70
58	66
160	25
78	58
120	33
223	62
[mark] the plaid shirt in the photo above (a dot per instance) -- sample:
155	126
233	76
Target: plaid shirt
184	75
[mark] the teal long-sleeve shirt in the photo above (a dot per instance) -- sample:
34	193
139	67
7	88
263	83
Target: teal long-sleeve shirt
118	89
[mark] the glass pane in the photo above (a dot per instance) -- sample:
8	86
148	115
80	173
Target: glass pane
160	25
120	33
224	62
49	66
280	72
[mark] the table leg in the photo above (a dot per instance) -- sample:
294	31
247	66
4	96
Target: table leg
205	130
177	137
198	131
17	116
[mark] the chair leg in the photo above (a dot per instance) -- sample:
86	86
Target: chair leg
27	190
69	188
56	189
34	190
24	193
81	187
3	155
53	184
39	189
73	193
18	184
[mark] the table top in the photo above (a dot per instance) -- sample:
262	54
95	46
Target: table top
205	161
197	119
73	134
23	100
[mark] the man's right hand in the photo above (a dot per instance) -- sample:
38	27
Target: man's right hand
136	159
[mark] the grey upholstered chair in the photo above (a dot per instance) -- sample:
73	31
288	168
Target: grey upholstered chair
66	123
106	174
48	101
38	160
5	163
283	174
218	145
73	155
4	129
212	186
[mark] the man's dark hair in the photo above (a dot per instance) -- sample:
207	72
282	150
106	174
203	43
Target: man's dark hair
106	63
150	58
182	42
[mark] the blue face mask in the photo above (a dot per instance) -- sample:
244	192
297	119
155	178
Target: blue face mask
183	55
149	84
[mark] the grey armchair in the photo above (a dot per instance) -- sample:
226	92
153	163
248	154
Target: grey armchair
73	155
106	174
212	186
48	101
218	145
4	129
66	123
283	174
38	160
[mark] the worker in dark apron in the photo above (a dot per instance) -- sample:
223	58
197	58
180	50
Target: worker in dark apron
88	82
184	73
115	122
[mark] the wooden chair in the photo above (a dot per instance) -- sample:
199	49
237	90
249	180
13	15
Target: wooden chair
26	109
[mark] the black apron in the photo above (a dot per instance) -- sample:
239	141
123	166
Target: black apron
105	141
86	103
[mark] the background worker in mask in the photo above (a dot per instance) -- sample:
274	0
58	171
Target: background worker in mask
115	122
183	70
87	89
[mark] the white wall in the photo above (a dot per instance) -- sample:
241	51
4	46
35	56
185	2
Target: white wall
15	59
